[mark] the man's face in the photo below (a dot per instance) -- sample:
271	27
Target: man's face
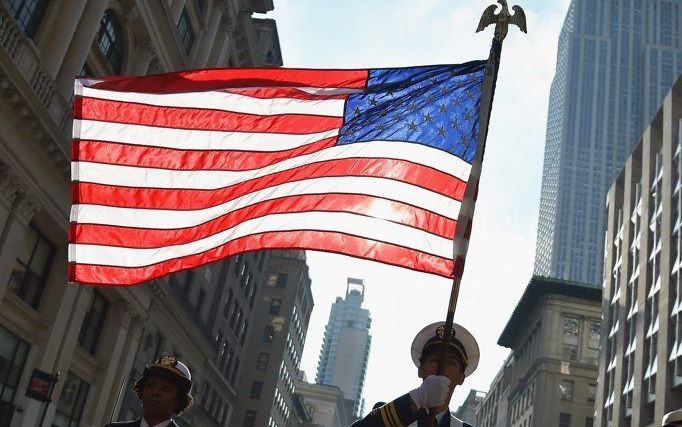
452	368
159	398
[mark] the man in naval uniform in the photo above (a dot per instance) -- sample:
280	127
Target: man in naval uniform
164	391
411	409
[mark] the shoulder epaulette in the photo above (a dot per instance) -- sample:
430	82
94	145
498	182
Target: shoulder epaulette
397	413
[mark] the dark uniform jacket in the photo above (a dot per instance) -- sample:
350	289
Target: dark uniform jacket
399	414
135	423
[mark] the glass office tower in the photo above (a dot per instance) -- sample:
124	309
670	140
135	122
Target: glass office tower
616	60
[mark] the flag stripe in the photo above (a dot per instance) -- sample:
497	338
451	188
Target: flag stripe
189	139
200	119
339	222
299	103
362	205
370	155
295	93
85	211
168	158
314	240
410	152
226	188
217	79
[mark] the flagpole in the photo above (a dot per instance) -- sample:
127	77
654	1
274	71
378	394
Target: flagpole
460	241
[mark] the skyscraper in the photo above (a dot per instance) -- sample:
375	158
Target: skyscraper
345	349
616	60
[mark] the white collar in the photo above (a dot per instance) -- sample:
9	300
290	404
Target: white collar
144	423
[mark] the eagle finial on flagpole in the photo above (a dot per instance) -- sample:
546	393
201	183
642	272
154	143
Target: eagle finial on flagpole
502	19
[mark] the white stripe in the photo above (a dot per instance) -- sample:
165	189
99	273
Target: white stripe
188	139
329	90
171	219
371	228
133	176
226	101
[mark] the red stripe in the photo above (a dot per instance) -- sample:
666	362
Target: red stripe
217	79
201	119
313	240
164	198
362	205
268	93
168	158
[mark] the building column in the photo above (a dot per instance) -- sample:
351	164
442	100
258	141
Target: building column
121	351
144	53
17	210
208	41
176	10
222	45
58	350
80	46
52	49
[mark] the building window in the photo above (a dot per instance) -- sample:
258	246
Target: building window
93	323
262	363
13	353
249	419
256	389
564	420
566	388
235	316
186	31
277	280
110	41
593	343
228	304
571	338
589	422
591	393
200	299
31	267
71	402
233	377
28	14
275	305
269	334
242	338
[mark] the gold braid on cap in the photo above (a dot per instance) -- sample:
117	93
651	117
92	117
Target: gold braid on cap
169	363
454	343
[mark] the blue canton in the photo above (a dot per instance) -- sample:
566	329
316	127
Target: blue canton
432	105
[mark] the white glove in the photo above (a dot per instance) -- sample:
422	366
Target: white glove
432	392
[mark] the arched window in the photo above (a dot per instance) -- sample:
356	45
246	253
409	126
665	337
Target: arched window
110	41
28	13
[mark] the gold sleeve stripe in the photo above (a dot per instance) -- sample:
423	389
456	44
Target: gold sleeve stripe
384	416
395	416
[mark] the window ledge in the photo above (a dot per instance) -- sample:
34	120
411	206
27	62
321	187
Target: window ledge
24	311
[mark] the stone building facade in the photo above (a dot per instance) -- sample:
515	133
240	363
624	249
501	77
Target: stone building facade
325	405
554	337
492	411
95	336
272	360
640	370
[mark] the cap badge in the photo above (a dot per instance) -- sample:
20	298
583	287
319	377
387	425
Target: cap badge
169	361
440	332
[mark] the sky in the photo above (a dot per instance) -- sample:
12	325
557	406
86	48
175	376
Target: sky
392	33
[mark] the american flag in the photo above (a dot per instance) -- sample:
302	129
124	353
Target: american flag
174	171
